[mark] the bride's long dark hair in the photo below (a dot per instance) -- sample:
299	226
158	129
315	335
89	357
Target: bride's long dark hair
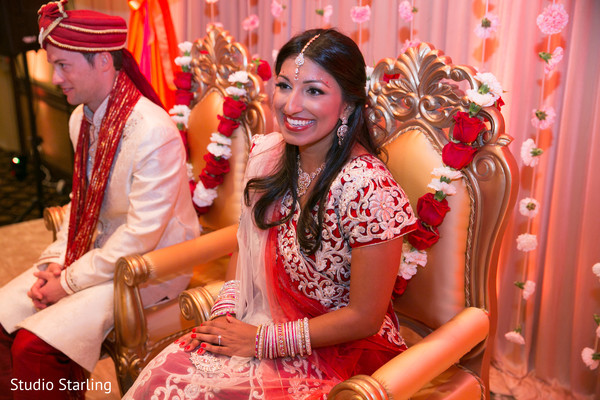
340	57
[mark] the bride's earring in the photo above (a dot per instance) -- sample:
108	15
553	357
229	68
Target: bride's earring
342	130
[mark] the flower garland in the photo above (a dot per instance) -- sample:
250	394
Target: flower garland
457	154
552	20
204	190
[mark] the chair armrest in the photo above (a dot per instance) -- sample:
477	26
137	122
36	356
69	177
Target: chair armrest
186	255
196	303
133	270
53	218
405	374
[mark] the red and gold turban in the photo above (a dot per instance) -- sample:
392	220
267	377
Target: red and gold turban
80	30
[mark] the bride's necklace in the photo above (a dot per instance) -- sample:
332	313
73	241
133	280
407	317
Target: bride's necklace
305	179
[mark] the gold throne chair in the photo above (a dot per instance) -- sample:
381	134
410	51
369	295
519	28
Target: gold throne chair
141	332
448	312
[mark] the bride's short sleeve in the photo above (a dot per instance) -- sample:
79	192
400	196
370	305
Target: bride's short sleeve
373	208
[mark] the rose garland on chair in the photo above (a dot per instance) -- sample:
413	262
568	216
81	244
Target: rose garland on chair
432	207
204	190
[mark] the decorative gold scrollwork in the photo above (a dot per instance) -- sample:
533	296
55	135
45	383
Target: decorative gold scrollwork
214	58
424	89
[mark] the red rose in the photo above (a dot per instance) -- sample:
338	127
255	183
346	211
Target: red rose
211	181
226	126
399	286
233	108
263	70
183	80
499	103
431	211
457	155
214	166
390	77
183	97
200	210
466	129
423	237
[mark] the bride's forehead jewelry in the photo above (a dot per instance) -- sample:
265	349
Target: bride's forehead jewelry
300	58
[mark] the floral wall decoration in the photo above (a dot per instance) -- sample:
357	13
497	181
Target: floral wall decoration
551	21
591	355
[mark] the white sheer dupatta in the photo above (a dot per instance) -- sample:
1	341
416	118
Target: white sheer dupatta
253	306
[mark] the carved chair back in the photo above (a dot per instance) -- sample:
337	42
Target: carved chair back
414	113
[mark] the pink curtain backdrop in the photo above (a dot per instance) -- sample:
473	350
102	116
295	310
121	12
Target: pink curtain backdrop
557	321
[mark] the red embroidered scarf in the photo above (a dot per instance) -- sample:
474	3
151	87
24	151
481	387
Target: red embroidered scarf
87	197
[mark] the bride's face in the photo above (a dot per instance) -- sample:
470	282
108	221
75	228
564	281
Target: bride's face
308	108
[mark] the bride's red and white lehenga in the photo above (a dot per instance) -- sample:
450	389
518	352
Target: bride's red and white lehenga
279	283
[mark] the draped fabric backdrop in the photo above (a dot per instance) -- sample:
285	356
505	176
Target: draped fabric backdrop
557	321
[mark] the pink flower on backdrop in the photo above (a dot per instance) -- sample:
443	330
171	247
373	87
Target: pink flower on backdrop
589	357
552	59
488	26
406	11
526	242
515	337
408	44
528	289
327	13
251	23
360	14
543	118
530	153
553	19
276	8
529	207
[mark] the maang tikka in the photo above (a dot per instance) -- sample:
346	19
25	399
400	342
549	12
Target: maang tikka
299	61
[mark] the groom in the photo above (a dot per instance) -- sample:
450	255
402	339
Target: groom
130	195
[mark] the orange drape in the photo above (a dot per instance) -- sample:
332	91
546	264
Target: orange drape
153	43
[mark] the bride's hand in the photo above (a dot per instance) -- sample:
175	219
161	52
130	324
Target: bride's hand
224	335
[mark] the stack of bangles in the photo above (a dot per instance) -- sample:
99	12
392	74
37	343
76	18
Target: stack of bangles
226	300
283	340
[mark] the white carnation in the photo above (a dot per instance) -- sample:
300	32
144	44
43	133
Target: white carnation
183	61
407	271
185	47
488	79
239	76
448	172
220	139
204	197
483	100
447	188
219	151
235	91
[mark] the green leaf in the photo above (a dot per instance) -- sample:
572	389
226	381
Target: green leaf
520	285
439	195
320	11
545	56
